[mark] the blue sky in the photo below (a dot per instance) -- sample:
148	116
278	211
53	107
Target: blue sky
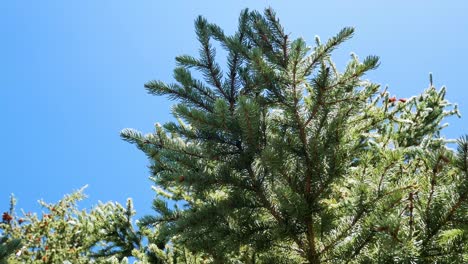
72	75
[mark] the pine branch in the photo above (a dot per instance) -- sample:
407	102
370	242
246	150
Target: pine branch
322	51
208	65
176	92
8	247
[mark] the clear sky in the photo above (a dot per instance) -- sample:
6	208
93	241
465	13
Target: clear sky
72	75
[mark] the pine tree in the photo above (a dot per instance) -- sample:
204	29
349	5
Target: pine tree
65	234
279	157
105	234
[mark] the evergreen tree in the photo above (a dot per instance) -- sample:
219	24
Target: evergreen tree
105	234
281	158
65	234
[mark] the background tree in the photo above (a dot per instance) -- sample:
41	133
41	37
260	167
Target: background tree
281	158
65	234
105	234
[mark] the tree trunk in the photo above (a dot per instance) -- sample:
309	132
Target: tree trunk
312	255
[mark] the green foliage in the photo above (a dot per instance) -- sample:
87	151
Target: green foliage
8	246
65	234
281	158
105	234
